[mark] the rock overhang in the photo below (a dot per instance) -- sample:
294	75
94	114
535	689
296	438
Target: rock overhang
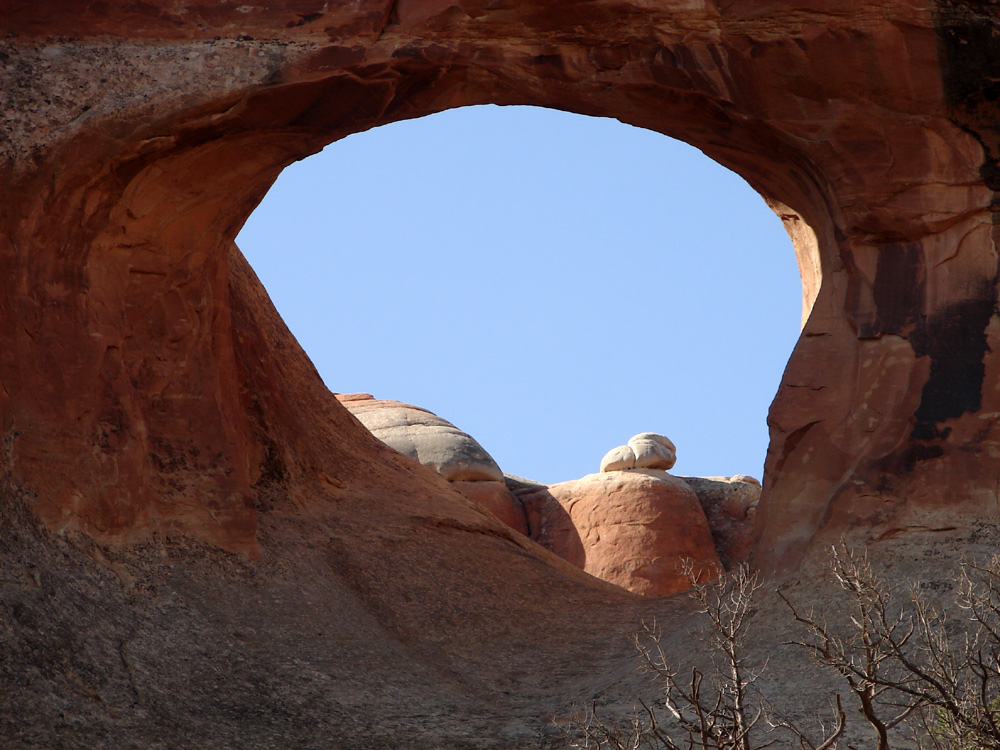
148	389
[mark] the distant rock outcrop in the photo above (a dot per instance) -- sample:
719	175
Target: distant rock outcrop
621	458
647	450
637	527
634	529
729	503
425	437
438	444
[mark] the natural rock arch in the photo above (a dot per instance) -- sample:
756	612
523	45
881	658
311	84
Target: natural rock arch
147	387
134	159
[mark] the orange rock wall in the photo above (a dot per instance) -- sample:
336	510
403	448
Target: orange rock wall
142	386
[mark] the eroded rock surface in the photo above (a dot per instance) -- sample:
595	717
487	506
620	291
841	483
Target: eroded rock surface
437	444
635	529
647	450
425	437
154	409
653	451
635	525
621	458
136	142
730	504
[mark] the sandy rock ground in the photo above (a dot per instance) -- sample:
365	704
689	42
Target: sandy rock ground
321	643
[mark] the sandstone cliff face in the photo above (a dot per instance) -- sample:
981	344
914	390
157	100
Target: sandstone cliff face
148	392
133	154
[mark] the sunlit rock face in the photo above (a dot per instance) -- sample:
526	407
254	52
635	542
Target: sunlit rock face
148	392
425	437
640	528
643	530
133	153
646	450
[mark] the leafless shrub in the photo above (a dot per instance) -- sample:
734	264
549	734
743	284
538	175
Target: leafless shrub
923	676
718	710
909	675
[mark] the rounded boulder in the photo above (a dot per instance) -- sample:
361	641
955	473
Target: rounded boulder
425	437
621	458
635	529
653	451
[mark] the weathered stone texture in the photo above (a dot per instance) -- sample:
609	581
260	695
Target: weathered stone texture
149	392
636	529
730	505
436	443
135	149
425	437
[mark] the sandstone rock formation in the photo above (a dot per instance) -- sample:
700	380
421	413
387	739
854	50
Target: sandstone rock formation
498	500
425	437
638	529
136	142
185	504
647	450
635	529
653	451
728	511
621	458
438	444
730	504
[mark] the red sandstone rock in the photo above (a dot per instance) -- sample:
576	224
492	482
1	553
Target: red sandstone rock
138	138
635	529
498	500
148	392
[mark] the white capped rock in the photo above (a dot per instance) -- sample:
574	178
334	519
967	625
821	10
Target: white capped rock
621	458
653	451
426	438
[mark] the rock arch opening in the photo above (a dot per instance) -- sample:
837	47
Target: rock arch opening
551	283
149	393
124	203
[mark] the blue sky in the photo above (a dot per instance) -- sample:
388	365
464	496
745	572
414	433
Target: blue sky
550	283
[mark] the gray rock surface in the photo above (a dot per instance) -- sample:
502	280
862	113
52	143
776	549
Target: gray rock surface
730	503
426	438
515	483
